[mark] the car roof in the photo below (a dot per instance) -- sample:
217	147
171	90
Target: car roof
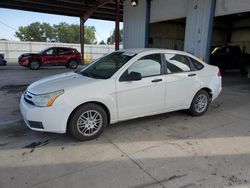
153	50
63	47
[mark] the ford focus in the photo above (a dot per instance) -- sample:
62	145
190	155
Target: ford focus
123	85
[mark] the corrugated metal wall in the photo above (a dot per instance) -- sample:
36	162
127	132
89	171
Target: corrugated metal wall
163	10
197	27
13	49
134	19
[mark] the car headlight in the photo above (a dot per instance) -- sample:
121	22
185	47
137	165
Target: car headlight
46	100
25	58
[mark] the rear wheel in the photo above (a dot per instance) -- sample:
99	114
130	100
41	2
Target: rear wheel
34	64
200	103
72	64
87	122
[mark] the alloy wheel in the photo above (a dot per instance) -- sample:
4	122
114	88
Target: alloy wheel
89	123
201	103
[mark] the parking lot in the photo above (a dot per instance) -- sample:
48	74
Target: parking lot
168	150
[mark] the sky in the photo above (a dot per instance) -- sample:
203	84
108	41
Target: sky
11	19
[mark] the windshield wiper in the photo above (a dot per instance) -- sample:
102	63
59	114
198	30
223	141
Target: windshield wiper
88	74
92	75
98	76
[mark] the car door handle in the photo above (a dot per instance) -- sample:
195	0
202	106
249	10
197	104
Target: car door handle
190	75
156	80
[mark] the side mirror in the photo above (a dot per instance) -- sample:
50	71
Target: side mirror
133	76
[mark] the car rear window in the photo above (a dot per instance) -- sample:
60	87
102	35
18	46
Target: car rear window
177	63
197	64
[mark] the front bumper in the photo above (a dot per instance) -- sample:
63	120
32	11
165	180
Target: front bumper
24	62
51	119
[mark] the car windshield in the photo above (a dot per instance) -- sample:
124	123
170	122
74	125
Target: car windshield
106	66
44	50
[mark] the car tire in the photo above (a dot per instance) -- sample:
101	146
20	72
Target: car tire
72	64
200	103
34	65
87	122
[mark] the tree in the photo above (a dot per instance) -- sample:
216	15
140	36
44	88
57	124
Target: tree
111	39
89	37
62	32
67	33
71	33
36	32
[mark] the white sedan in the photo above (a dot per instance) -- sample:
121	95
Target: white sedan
123	85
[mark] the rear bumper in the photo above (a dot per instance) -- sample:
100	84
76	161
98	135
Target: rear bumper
45	119
217	88
3	62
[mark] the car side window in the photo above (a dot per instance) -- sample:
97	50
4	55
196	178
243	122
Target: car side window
196	64
149	65
50	51
177	63
62	51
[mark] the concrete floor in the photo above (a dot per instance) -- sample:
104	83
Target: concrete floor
168	150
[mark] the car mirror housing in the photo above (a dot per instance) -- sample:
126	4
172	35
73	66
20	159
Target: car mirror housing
133	76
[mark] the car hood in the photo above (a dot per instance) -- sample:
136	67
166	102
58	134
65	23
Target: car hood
60	81
28	54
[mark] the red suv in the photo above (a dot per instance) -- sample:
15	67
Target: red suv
68	57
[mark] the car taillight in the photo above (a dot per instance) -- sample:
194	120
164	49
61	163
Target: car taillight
219	73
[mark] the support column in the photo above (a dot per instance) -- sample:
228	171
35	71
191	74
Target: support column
82	37
117	25
147	30
199	27
134	19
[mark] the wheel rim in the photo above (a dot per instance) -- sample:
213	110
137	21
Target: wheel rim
201	103
34	65
72	64
89	123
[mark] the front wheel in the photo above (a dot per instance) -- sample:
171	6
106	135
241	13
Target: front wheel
87	122
200	103
34	65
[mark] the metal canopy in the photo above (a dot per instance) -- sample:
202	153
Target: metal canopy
97	9
111	10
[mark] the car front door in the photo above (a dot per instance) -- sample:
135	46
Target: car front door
181	81
145	96
50	56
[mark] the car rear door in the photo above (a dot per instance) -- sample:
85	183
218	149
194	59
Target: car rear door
62	55
181	81
145	96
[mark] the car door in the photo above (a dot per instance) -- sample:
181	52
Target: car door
145	96
62	54
181	81
50	56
